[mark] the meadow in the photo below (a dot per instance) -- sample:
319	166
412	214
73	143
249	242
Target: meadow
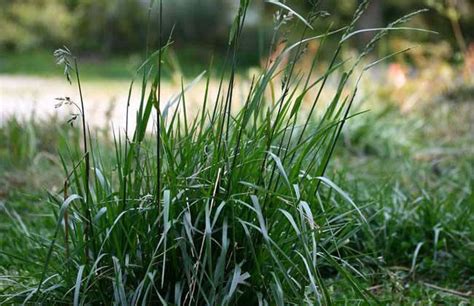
296	183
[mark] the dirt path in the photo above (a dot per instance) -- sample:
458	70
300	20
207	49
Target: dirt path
105	101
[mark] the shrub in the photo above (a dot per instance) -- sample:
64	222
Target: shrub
23	27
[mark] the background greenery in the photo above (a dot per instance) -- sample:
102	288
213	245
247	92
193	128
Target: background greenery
101	28
397	223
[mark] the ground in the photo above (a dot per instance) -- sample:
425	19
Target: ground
412	171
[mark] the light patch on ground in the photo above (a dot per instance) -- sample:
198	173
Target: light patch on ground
105	101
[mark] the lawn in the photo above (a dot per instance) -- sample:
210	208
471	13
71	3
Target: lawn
412	175
301	182
188	61
42	63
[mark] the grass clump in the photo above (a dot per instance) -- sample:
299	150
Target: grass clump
223	208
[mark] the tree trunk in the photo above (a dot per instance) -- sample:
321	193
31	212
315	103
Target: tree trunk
372	18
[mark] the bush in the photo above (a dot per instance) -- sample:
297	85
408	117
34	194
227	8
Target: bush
34	23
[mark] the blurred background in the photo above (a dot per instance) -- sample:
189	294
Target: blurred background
110	39
112	34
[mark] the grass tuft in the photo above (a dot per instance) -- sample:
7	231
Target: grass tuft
227	207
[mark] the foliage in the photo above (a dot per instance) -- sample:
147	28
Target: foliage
33	23
106	27
206	211
116	25
223	208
